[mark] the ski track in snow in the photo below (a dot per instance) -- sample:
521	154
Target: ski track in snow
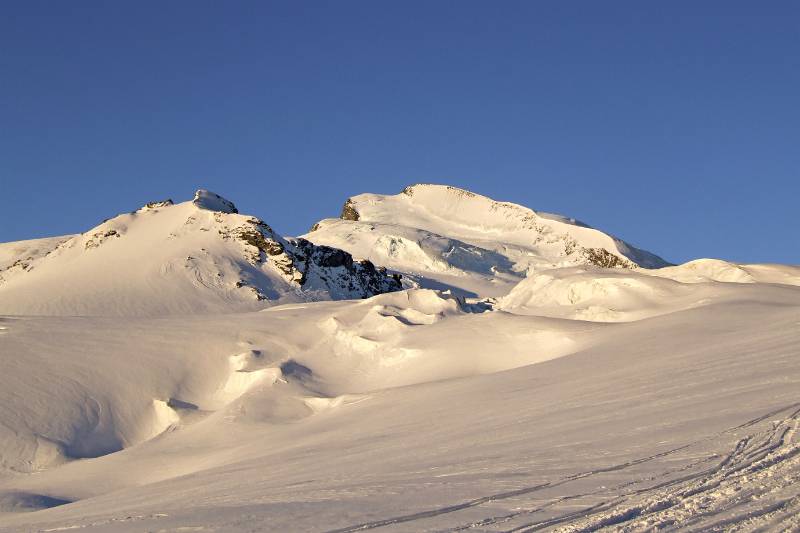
685	501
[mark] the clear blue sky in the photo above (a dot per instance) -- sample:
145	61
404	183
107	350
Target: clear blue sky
675	125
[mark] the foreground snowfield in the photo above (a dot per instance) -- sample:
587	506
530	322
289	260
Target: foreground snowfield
584	398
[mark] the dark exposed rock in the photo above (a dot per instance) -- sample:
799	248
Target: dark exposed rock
161	203
409	191
98	238
268	246
336	266
349	211
24	264
332	257
603	258
311	266
256	238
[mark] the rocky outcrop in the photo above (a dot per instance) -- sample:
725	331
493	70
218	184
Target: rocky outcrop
100	237
150	206
313	267
340	272
409	190
603	258
349	211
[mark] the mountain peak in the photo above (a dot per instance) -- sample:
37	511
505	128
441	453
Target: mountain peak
438	187
449	237
190	257
213	202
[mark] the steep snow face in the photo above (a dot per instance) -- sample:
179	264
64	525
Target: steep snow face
444	236
198	256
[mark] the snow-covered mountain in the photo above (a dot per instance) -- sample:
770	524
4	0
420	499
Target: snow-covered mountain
446	237
220	377
22	253
165	258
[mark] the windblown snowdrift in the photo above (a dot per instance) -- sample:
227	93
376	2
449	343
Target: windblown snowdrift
197	256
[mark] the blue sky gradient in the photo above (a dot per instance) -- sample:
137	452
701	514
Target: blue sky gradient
674	125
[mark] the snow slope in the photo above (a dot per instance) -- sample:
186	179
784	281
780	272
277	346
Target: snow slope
290	419
443	237
576	398
603	295
197	256
701	270
19	253
615	295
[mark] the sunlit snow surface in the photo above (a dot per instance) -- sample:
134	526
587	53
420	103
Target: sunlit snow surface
579	399
444	237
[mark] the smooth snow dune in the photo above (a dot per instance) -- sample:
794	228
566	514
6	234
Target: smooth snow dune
77	387
615	295
649	424
103	384
705	270
603	295
420	335
783	274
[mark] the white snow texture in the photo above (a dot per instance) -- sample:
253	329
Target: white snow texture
185	368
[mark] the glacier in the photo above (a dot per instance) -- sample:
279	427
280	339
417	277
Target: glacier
433	360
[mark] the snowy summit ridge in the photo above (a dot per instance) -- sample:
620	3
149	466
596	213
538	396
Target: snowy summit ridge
446	236
477	215
196	256
213	202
